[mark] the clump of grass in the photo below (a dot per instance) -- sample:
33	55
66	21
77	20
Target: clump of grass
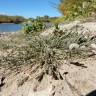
36	51
47	52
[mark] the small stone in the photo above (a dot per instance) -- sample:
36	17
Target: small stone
93	46
73	46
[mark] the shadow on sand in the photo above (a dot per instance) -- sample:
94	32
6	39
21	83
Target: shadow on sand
92	93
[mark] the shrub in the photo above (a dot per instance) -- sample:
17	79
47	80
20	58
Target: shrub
35	26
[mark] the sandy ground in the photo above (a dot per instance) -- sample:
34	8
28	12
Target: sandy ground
77	80
85	28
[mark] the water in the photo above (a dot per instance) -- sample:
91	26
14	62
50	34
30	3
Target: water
10	27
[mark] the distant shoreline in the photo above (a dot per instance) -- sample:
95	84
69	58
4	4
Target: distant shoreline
10	23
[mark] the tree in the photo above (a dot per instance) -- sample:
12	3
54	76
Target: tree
76	8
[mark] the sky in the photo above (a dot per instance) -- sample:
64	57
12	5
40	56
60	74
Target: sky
29	8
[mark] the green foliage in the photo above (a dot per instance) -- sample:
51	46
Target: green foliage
56	26
46	19
60	20
36	26
72	9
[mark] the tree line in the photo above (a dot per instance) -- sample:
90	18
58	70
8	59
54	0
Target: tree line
11	19
20	19
45	19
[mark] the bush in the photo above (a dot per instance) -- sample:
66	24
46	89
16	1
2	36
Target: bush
35	26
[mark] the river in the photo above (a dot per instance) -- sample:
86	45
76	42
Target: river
10	27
